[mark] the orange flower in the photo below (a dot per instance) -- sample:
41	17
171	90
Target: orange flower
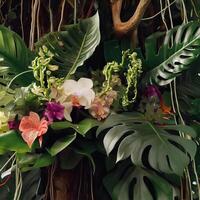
165	109
32	127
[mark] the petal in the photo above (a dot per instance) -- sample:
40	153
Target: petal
40	140
70	87
54	93
67	111
34	117
85	83
87	98
43	127
26	125
30	137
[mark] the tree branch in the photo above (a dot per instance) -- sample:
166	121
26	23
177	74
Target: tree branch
122	28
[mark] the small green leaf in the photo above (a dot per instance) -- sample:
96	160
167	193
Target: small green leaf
43	160
69	159
30	161
82	128
12	141
61	144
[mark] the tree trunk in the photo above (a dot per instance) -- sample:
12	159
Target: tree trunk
75	184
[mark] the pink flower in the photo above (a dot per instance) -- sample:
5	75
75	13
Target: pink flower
99	109
32	127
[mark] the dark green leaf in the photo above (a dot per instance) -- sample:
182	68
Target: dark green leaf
30	161
61	144
138	138
181	47
12	141
135	183
15	57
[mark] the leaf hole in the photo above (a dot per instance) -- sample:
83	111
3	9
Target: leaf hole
145	157
170	66
131	186
177	63
183	35
177	145
185	56
168	162
150	187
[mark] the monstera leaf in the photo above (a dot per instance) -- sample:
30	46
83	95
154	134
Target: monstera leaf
148	144
181	46
15	57
188	91
135	183
72	46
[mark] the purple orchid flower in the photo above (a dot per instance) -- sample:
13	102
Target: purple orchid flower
13	125
152	91
54	111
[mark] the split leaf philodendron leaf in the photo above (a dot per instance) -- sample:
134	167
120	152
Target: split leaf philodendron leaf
134	183
140	139
181	47
73	45
15	57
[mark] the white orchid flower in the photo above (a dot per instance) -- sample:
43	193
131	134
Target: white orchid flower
74	94
3	121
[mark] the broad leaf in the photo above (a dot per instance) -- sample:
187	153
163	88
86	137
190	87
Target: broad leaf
74	44
181	47
30	161
61	144
188	91
82	127
15	57
143	141
129	183
12	141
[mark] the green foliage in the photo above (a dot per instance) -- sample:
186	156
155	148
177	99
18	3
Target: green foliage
61	144
15	57
31	182
72	46
180	47
82	127
31	161
12	141
128	182
146	142
188	90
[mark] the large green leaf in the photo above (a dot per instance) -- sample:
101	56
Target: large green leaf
181	46
12	141
74	44
188	91
15	57
146	142
129	183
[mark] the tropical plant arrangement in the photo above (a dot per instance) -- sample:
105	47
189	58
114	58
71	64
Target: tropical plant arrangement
129	129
